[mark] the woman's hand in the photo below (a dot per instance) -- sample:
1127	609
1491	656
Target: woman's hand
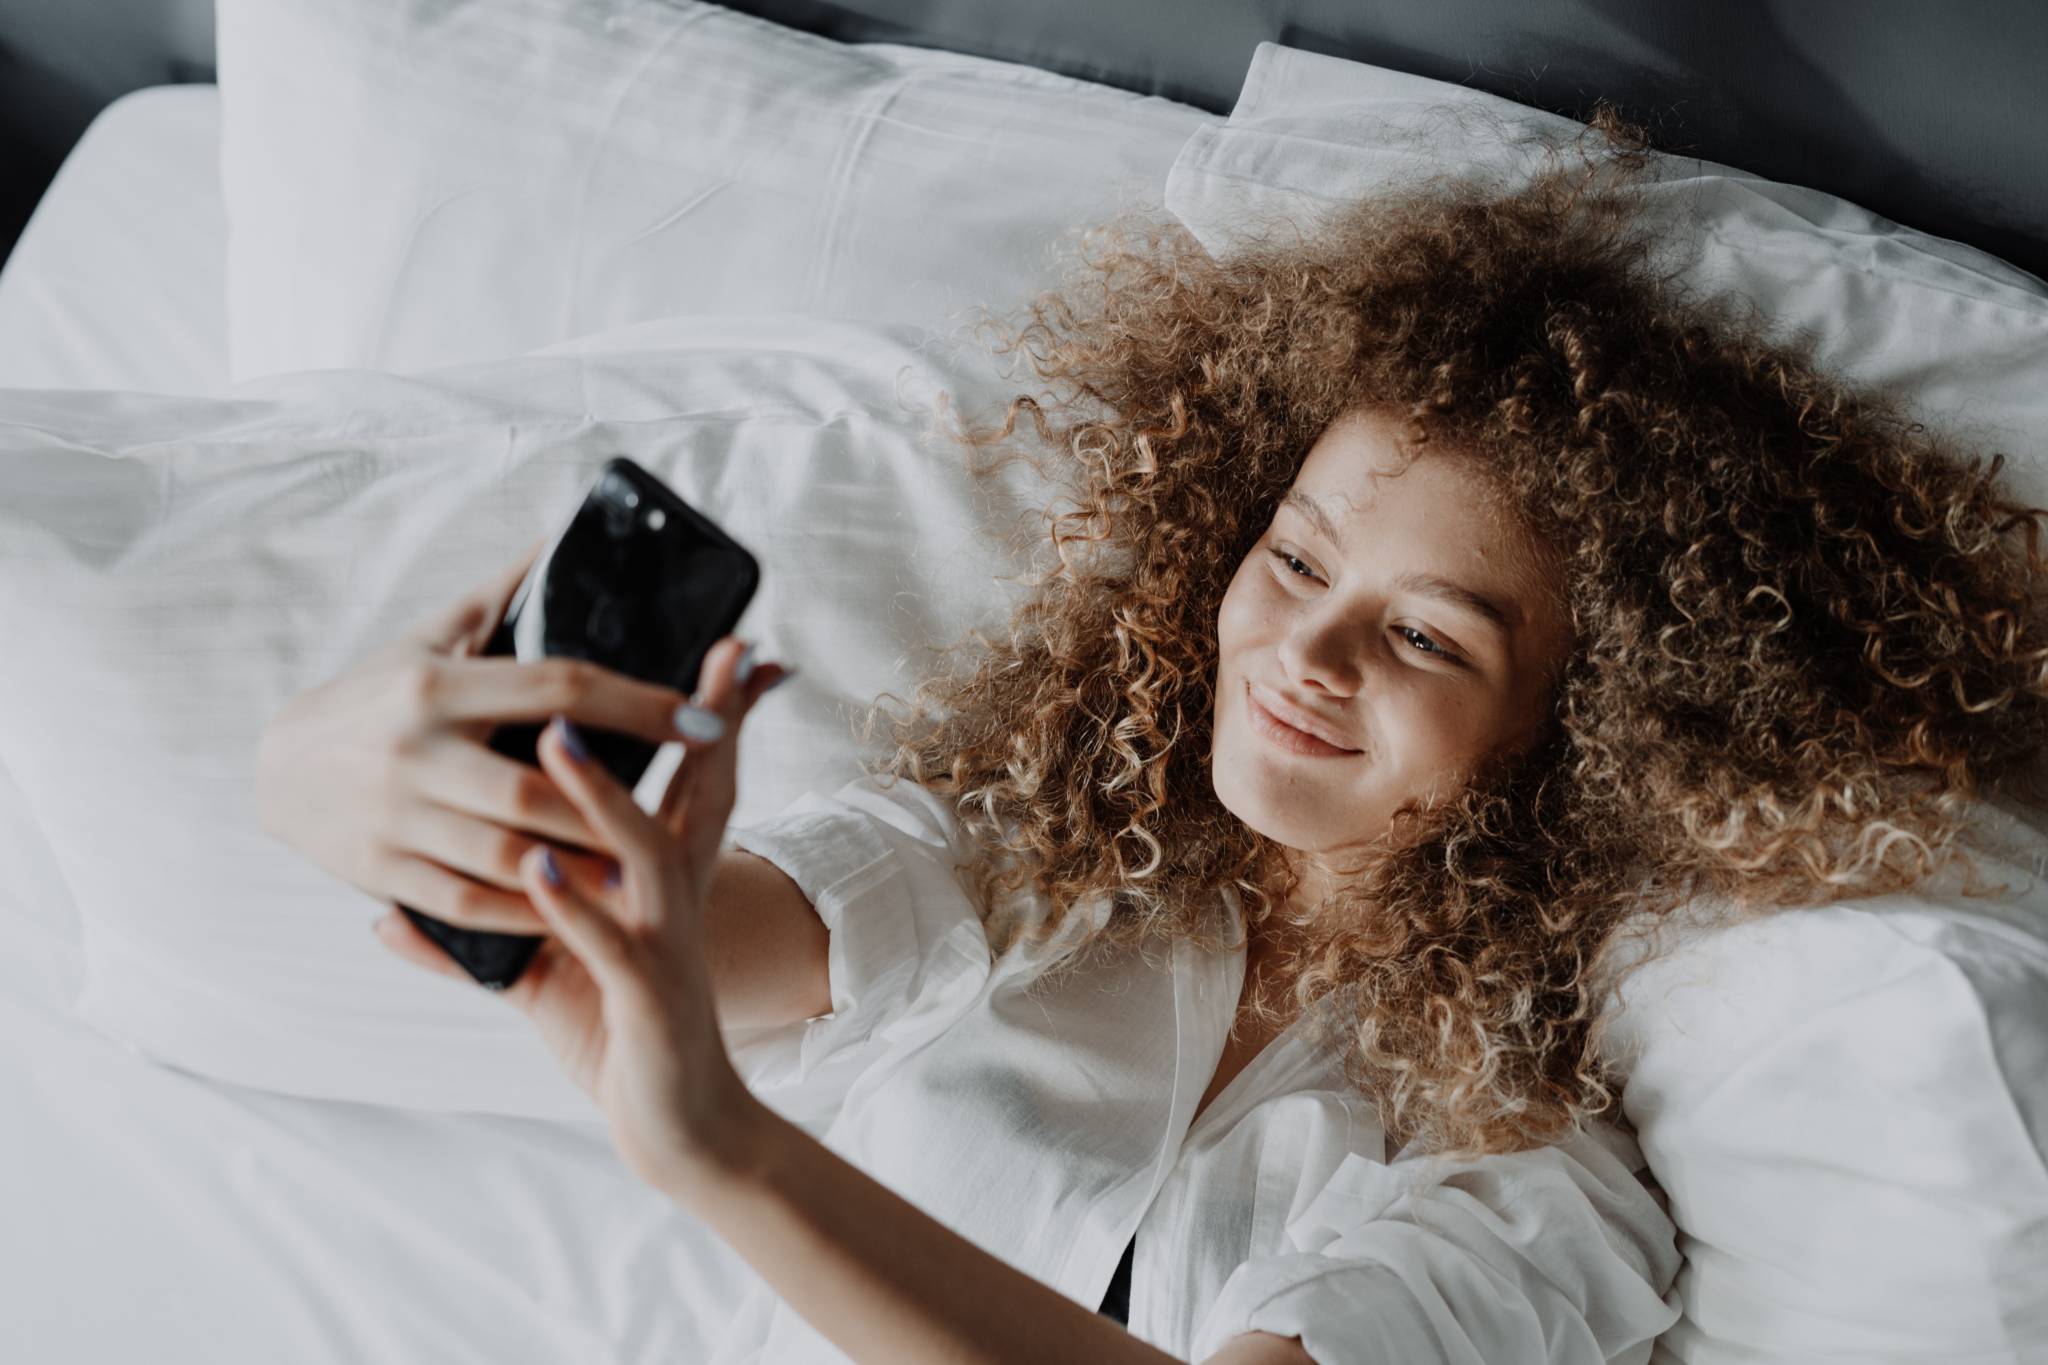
620	990
383	778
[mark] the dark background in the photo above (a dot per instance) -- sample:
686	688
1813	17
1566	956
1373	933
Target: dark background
62	61
1929	113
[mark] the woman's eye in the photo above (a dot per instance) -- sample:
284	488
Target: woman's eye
1289	560
1433	647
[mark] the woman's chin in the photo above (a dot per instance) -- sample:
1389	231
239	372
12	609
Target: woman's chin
1266	797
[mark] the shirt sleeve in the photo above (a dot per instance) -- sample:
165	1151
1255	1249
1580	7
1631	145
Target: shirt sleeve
907	952
1562	1255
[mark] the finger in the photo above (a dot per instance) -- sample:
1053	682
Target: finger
401	936
476	614
456	899
465	777
604	802
595	697
488	856
463	843
715	679
587	930
675	795
700	810
592	874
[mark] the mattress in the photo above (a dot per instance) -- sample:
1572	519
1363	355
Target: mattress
119	279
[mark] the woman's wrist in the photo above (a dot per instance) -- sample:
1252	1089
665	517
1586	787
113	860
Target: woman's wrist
875	1274
734	1148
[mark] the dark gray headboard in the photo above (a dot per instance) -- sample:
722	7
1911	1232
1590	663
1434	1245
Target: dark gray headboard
1929	113
62	61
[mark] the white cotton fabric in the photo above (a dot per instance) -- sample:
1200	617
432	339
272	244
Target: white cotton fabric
1047	1126
1958	335
157	1215
414	185
184	566
1848	1108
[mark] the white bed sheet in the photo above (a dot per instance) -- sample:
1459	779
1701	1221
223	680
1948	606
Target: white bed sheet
119	280
161	1216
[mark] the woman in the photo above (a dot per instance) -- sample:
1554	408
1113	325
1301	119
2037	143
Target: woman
1598	600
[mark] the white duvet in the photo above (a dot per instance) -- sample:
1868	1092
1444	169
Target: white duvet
233	1127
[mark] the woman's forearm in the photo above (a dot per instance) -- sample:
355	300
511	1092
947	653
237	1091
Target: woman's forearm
877	1276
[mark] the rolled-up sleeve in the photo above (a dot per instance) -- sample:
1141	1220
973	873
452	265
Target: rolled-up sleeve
907	952
1562	1255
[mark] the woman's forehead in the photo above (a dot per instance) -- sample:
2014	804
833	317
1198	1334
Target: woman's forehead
1471	534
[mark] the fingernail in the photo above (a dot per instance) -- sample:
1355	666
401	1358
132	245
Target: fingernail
694	722
548	867
571	741
611	876
745	669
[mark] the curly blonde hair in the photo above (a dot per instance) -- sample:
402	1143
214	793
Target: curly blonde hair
1805	634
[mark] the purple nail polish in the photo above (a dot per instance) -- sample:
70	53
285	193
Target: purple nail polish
571	740
548	867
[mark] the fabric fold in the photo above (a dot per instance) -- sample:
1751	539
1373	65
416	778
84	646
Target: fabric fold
1559	1254
906	954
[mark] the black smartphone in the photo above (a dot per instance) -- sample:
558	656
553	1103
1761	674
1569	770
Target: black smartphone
639	582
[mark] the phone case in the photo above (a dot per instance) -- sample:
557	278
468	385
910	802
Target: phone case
640	583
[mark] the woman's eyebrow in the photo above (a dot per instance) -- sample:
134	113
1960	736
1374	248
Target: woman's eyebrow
1500	615
1313	510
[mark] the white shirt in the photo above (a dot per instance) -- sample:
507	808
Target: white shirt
1048	1127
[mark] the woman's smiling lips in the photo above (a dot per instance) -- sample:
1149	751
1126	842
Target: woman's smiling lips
1285	735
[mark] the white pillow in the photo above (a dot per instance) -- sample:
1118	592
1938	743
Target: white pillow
408	186
1847	1106
1958	333
174	569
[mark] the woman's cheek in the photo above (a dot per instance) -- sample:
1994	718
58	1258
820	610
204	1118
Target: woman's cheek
1240	609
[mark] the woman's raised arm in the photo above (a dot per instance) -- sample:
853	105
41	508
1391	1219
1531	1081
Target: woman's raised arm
765	944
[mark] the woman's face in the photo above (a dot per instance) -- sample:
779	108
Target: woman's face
1417	687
